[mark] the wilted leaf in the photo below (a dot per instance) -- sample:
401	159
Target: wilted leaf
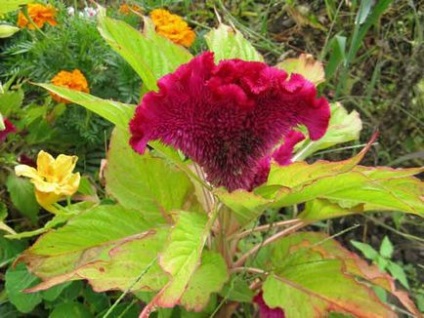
228	43
306	66
315	270
143	182
102	245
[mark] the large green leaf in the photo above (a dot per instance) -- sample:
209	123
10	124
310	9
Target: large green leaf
228	43
102	245
332	189
115	112
313	269
149	55
182	255
23	196
343	127
17	280
143	182
208	278
12	5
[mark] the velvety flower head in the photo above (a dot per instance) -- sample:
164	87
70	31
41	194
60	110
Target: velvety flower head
53	178
73	80
8	128
173	27
229	117
40	14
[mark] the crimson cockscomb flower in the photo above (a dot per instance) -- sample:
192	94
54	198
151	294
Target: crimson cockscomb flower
229	117
9	128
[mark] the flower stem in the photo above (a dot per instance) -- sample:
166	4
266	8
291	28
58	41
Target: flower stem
268	241
265	228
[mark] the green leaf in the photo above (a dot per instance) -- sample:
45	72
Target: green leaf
10	100
12	5
70	310
245	206
144	181
7	30
228	43
103	245
17	280
371	189
9	250
237	289
321	209
23	197
366	249
386	248
343	127
54	292
363	12
181	257
117	113
208	278
150	56
397	272
338	55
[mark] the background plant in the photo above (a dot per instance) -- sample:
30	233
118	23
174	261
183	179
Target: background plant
273	54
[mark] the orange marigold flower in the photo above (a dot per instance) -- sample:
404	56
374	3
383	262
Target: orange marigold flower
74	80
40	14
128	8
172	27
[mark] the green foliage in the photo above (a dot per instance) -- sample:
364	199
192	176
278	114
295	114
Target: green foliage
152	226
22	195
382	259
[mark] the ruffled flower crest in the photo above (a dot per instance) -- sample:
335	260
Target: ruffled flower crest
229	117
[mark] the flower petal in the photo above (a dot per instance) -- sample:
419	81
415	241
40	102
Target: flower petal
27	171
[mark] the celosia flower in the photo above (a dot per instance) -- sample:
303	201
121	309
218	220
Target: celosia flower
40	14
229	117
172	27
73	80
9	128
265	311
53	179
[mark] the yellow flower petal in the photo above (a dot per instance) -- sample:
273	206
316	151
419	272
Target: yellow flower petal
63	166
26	171
45	164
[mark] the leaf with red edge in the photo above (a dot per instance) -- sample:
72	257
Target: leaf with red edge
102	245
316	271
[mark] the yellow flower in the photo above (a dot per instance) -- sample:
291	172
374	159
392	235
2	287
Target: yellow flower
128	8
73	80
172	27
53	179
39	14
